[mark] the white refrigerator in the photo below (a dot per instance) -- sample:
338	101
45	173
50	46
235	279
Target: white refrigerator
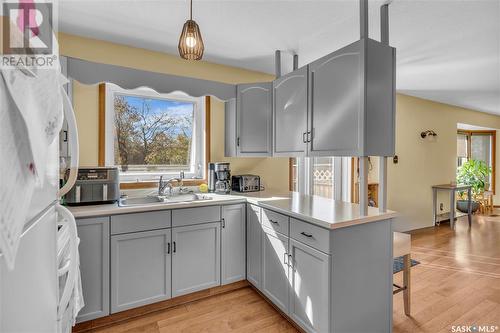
37	294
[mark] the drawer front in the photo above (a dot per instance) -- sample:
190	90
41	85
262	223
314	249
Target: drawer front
121	224
309	234
276	221
189	216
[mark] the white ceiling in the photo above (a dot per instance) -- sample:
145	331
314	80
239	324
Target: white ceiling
447	50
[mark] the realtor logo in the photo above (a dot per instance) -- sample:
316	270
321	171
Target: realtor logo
28	32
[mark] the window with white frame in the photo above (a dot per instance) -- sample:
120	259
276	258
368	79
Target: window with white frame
320	176
150	134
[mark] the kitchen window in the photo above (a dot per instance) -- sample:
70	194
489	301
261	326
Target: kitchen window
150	134
320	176
478	145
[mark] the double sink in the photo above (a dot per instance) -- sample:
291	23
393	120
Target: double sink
152	200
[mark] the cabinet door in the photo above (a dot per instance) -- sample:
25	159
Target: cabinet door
233	243
275	283
254	246
335	90
310	287
195	258
140	269
94	266
230	135
254	119
290	113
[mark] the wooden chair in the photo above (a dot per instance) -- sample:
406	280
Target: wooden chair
401	248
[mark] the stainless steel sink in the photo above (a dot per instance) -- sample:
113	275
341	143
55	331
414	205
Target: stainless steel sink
186	197
124	202
155	200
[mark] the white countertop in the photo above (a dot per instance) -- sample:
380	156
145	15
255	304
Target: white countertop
327	213
323	212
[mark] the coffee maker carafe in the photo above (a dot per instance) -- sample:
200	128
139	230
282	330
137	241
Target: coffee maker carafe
219	178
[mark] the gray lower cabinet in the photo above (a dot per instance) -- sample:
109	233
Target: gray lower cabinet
94	266
309	287
195	258
254	245
140	269
254	119
275	268
233	243
290	114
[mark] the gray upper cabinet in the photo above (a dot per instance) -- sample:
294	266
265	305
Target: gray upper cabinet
195	258
275	258
254	119
290	114
309	287
351	101
254	245
94	266
230	136
233	243
140	269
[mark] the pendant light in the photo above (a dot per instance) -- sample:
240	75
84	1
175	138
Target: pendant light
190	43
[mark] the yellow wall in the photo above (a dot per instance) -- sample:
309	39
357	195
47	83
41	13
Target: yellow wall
274	171
423	163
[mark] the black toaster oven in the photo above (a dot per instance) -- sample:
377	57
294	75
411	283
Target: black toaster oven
245	183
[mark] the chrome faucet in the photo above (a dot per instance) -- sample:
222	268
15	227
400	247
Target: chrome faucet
163	185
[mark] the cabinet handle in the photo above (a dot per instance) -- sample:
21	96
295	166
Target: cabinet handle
285	255
275	222
223	223
175	248
65	136
306	234
304	137
238	142
290	260
168	248
309	136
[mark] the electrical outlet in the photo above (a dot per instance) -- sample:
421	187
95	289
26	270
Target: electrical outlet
441	206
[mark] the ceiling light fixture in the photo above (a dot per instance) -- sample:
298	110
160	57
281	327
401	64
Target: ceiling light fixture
190	43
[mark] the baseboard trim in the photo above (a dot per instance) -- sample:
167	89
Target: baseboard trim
159	306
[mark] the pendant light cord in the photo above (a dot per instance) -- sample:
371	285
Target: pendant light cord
191	11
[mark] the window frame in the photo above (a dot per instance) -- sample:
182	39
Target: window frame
493	134
305	181
200	153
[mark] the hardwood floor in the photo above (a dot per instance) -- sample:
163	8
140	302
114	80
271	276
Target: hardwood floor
457	283
458	280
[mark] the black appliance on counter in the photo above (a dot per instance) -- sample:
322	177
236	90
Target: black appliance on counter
246	183
94	186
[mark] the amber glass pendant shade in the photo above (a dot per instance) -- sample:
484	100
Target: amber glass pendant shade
190	43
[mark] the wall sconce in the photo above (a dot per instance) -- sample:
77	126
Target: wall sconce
428	134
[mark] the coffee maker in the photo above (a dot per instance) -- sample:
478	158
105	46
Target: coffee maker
219	177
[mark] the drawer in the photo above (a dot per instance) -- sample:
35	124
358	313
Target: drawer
189	216
309	234
276	221
121	224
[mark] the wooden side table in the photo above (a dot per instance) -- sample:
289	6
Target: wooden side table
452	189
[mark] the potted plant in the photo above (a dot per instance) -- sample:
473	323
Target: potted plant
476	174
